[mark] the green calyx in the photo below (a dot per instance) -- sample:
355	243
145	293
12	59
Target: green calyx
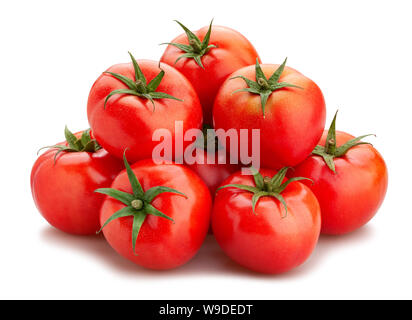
330	151
196	49
138	203
210	139
264	86
139	86
267	187
83	144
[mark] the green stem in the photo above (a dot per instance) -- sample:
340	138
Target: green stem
266	186
263	84
330	150
197	48
267	183
137	204
141	88
330	146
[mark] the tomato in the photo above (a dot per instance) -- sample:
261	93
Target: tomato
161	216
208	168
130	101
287	107
210	161
63	181
206	57
266	223
350	186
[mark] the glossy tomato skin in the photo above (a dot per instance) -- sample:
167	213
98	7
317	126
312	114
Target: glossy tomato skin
64	191
208	168
352	196
161	244
233	52
129	121
268	242
294	118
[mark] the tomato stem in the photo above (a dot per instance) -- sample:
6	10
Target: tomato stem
267	183
140	87
264	86
330	150
330	146
195	45
196	48
263	83
266	186
137	204
83	144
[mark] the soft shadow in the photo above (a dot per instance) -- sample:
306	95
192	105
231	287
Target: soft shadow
327	244
94	245
212	260
209	260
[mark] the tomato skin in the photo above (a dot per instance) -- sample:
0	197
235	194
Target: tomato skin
267	242
64	191
161	244
129	121
233	52
352	196
212	173
294	118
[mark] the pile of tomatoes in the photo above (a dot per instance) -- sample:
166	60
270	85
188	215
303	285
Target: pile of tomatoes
157	215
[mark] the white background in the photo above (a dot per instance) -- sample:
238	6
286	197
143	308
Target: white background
358	52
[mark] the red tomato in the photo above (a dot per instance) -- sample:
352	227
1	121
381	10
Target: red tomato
212	173
210	160
161	243
291	121
129	119
350	197
271	240
229	52
63	188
